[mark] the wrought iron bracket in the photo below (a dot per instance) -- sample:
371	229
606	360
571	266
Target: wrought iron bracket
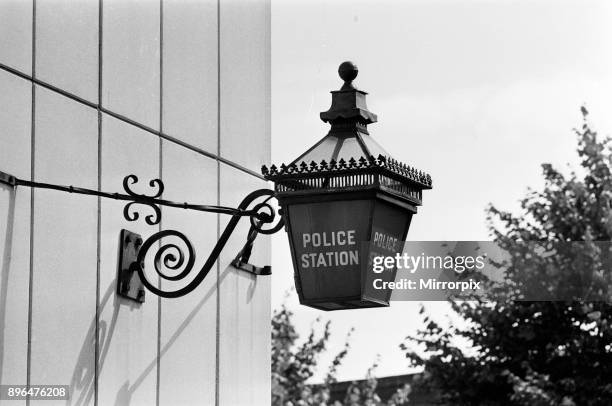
170	256
172	261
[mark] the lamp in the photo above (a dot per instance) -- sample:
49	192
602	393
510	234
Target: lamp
344	201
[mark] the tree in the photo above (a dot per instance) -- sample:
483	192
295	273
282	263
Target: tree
293	364
363	393
539	352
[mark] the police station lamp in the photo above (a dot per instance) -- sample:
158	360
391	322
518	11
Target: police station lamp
345	201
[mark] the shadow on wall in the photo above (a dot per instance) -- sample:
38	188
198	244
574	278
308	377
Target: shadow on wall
6	267
83	378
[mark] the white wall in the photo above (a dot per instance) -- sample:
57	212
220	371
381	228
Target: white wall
198	72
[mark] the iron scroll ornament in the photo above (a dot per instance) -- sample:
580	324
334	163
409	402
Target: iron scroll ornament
151	219
171	256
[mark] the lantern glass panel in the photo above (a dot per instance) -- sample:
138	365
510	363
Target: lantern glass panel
389	228
373	147
322	151
350	149
327	239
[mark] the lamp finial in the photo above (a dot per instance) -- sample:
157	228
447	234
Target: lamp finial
348	72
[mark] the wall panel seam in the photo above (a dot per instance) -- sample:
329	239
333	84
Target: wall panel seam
160	174
218	283
99	220
32	169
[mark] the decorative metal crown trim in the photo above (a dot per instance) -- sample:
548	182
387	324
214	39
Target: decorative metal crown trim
386	164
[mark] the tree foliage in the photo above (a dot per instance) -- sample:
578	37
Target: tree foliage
540	352
294	363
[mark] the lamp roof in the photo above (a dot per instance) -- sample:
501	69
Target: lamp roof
348	146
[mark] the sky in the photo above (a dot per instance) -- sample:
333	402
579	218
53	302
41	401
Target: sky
478	93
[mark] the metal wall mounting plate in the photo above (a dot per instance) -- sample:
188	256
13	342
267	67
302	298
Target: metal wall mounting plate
7	179
129	284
